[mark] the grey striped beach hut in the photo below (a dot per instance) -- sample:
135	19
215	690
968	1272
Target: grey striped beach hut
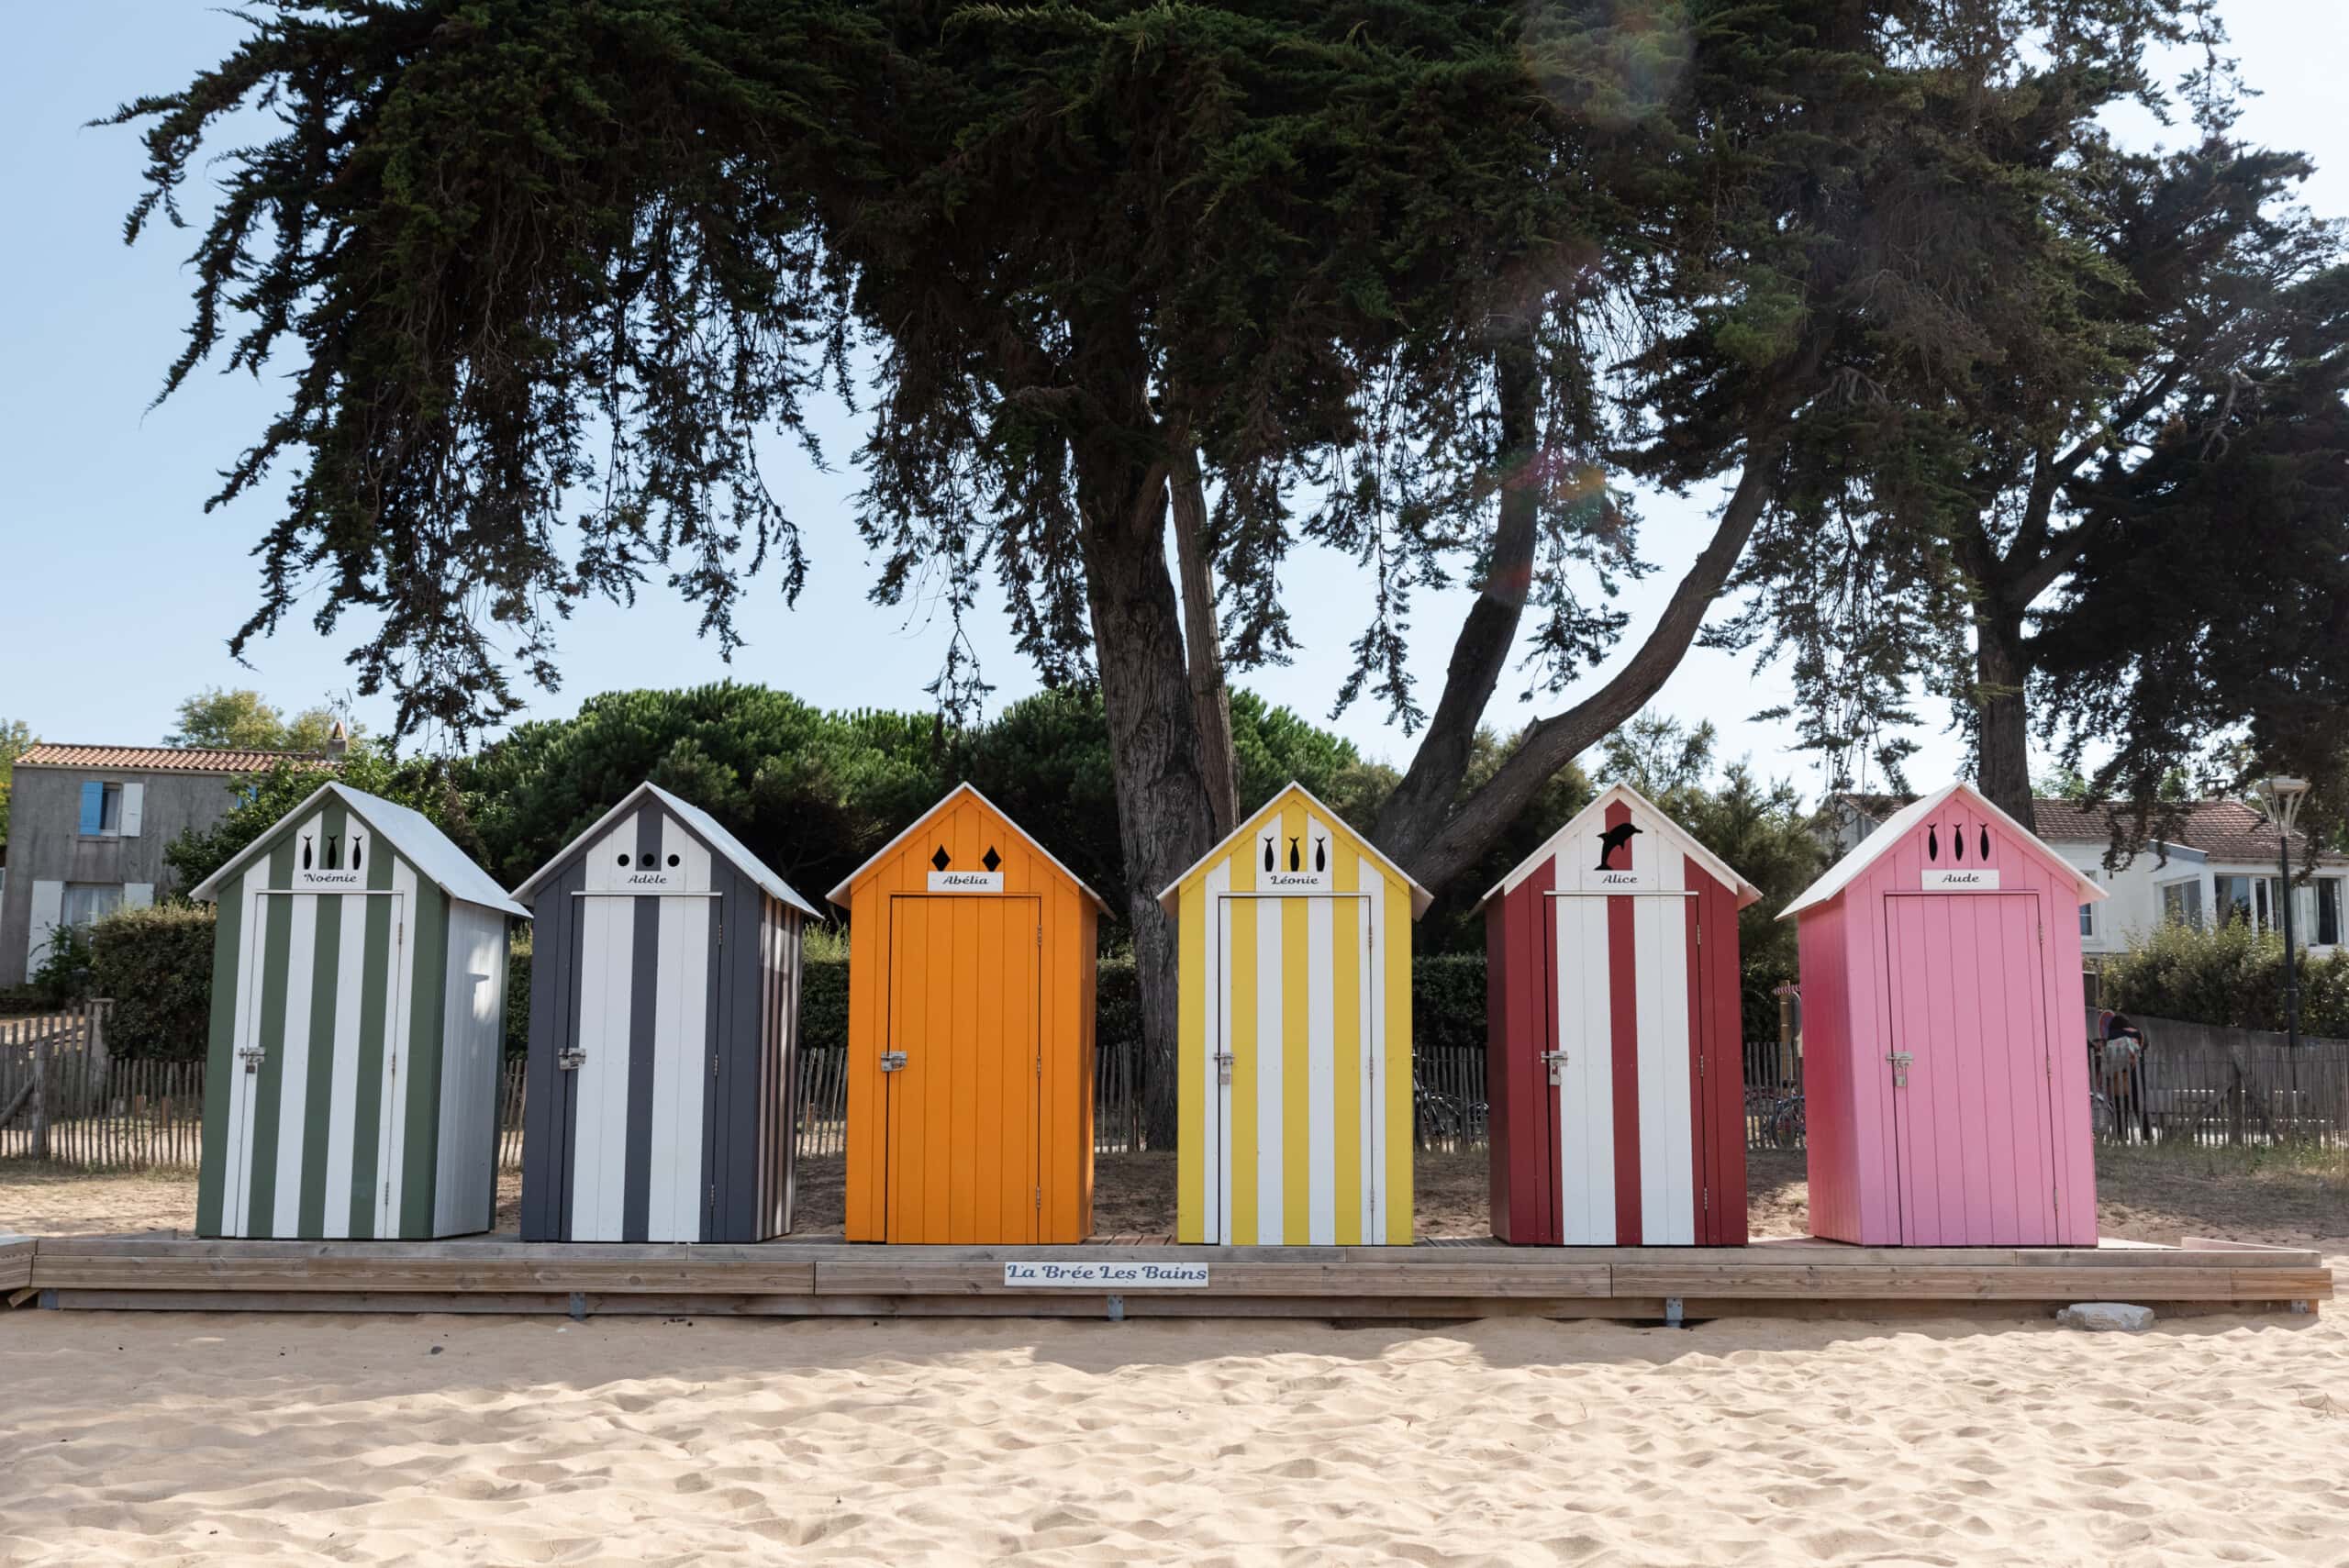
358	1012
664	1027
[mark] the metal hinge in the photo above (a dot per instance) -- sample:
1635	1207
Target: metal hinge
399	933
713	1064
1039	936
1700	933
1039	1197
1708	1200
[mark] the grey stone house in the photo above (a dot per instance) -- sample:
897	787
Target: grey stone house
86	831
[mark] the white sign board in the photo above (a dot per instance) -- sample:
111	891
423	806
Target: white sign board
316	881
1640	880
1297	882
652	882
1982	880
1104	1275
966	882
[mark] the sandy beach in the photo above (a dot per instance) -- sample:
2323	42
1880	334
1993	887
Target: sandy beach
175	1438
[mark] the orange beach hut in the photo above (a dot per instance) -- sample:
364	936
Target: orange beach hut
970	1035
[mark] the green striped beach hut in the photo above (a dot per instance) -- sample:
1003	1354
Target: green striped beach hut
358	1014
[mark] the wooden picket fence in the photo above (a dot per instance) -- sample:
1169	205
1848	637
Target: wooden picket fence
64	1100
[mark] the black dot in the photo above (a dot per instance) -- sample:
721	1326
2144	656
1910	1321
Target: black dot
647	859
623	860
673	859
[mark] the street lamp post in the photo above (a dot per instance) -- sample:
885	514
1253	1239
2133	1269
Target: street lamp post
2283	798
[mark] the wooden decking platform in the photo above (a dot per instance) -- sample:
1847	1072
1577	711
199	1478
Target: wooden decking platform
821	1278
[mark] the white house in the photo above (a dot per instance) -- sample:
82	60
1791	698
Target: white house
2218	862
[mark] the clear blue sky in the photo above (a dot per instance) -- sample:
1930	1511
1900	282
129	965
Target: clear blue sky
123	591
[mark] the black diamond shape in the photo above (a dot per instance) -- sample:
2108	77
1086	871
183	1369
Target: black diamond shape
941	860
991	859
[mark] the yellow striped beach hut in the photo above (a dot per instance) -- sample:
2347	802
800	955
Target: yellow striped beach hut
1295	1099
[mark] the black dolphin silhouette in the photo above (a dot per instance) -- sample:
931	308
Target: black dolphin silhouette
1613	839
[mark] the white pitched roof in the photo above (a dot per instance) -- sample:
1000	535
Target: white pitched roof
1845	871
1421	897
973	791
704	826
411	833
1719	869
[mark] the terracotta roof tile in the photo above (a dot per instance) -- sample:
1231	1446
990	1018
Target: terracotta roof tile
157	759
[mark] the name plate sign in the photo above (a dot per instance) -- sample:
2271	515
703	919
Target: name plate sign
1984	880
330	881
1297	882
1637	881
966	882
1118	1276
650	882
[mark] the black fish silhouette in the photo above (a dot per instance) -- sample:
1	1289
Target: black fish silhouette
1295	861
356	840
1986	840
1957	841
1320	854
306	851
1269	861
1933	844
1613	839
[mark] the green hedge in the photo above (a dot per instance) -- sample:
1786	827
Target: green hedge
2230	976
157	965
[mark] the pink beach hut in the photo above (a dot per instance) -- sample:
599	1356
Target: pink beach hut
1945	1072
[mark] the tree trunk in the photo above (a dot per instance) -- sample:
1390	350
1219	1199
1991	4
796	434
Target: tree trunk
1165	822
2002	715
1210	696
1423	799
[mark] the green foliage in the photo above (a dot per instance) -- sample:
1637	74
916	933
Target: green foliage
814	794
241	719
2229	975
63	976
16	739
157	966
263	798
1448	1001
518	952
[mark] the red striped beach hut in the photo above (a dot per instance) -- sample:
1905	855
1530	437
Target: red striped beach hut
1612	1036
1945	1069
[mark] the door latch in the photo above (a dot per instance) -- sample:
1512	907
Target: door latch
252	1056
1223	1069
1900	1060
1557	1061
570	1058
893	1062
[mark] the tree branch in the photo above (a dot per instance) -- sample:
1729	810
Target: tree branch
1554	742
1415	811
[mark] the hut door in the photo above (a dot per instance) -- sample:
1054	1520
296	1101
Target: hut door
1967	1063
638	1055
1299	1153
1627	1032
314	1125
963	1069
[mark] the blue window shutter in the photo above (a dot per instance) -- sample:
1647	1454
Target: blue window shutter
93	806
